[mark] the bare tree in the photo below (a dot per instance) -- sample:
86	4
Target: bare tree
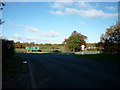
1	8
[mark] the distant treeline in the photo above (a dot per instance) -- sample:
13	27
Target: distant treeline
42	46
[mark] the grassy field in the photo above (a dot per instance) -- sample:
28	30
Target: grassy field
101	57
44	50
20	50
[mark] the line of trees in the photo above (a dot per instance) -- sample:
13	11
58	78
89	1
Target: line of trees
42	46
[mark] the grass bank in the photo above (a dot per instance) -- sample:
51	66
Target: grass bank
13	65
45	50
14	73
101	57
20	50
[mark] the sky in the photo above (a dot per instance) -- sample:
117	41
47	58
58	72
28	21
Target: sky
52	22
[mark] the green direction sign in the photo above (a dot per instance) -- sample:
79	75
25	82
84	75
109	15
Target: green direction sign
35	48
32	48
28	48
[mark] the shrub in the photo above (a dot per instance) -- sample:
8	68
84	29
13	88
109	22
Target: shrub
56	51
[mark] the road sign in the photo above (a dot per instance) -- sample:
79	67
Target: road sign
82	47
32	48
35	48
28	48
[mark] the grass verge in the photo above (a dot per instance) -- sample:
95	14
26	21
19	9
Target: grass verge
21	50
101	57
13	65
14	73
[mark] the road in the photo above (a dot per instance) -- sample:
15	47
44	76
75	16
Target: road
57	70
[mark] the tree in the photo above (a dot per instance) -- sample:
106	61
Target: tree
18	45
111	39
7	48
32	44
99	46
91	46
74	42
25	44
48	45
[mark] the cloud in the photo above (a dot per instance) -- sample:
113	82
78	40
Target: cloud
51	34
59	13
90	13
16	36
83	4
28	38
26	27
60	0
85	10
37	40
2	37
82	23
93	13
59	4
11	25
111	7
108	15
72	11
29	28
10	22
97	5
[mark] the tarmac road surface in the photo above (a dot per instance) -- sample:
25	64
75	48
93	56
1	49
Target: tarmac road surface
57	70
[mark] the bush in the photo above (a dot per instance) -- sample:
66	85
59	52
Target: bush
7	48
56	51
39	50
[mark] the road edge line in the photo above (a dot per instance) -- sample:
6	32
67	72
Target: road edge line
33	85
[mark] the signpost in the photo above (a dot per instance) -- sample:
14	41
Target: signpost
32	48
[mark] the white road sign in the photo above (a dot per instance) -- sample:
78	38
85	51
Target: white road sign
83	47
